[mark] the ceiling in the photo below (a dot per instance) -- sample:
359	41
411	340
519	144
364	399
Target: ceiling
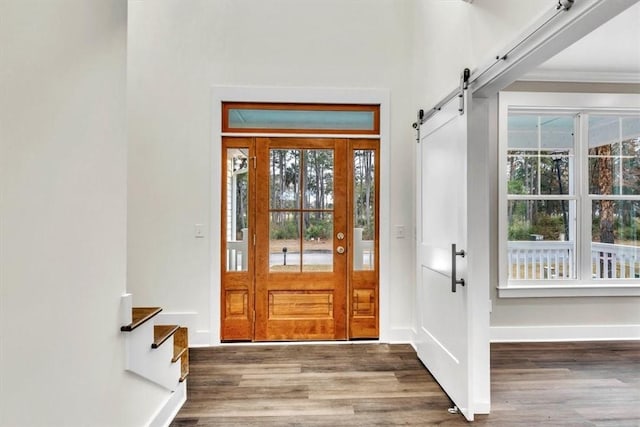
611	53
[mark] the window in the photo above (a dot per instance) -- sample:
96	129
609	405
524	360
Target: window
569	194
300	118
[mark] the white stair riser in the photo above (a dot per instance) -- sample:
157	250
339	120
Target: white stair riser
153	364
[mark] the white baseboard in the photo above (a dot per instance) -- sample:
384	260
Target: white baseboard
203	338
182	318
197	338
168	411
200	338
397	336
126	303
565	333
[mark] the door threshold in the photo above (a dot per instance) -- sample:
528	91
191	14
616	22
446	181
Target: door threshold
283	343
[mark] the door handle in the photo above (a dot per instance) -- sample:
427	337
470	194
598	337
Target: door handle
455	253
340	249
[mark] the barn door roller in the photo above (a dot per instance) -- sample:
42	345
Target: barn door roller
459	92
464	85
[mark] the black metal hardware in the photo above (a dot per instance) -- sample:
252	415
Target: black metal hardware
564	4
464	85
454	254
420	121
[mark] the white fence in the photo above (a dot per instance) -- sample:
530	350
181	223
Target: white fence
541	260
237	255
363	256
556	260
615	261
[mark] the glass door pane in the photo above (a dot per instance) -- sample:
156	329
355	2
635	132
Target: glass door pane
364	211
318	179
301	221
318	206
318	241
237	209
284	185
284	241
284	207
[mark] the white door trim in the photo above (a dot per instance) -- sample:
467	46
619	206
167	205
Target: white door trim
382	97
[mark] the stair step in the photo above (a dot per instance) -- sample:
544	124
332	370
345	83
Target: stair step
139	315
181	341
178	351
161	333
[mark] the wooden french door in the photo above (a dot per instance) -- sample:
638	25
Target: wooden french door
301	240
301	229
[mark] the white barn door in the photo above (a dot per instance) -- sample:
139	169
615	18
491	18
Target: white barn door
444	340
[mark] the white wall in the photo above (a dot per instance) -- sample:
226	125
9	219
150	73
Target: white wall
178	50
452	35
63	217
571	318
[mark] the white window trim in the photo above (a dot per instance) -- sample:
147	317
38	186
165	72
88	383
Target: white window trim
578	102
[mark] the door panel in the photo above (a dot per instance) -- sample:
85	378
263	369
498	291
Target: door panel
364	191
236	297
301	274
444	335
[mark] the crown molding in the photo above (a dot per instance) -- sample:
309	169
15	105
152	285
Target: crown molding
580	76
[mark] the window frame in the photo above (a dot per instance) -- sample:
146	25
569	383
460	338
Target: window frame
227	106
580	105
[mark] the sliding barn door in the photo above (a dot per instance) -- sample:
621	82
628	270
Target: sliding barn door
444	339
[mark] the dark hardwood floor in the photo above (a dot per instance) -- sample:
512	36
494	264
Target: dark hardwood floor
550	384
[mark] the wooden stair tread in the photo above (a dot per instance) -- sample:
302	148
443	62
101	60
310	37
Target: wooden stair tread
161	333
139	315
181	341
178	351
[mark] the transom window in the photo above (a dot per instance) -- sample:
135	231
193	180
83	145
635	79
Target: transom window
300	118
570	192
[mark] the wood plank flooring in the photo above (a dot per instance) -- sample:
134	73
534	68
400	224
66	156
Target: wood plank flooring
550	384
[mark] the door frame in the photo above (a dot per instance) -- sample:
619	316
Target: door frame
220	94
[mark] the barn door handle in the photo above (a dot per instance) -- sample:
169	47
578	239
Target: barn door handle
455	253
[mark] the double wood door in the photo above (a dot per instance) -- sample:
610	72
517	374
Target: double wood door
300	239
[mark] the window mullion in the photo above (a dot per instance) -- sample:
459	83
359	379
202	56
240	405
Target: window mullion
620	167
584	200
539	159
